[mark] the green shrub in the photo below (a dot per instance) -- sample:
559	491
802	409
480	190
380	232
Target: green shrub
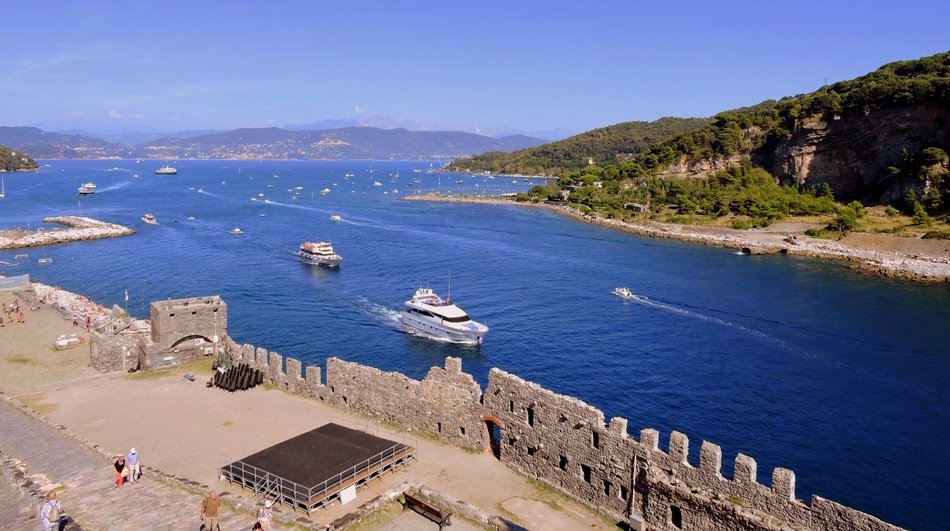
937	235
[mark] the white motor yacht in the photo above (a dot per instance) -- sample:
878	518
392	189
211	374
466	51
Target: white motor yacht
623	293
87	188
440	318
149	218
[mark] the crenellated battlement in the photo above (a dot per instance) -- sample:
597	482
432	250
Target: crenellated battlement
565	442
555	438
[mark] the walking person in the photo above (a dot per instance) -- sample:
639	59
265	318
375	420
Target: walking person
52	512
210	508
121	472
265	516
132	461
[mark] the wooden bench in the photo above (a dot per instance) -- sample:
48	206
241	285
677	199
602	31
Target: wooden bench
438	516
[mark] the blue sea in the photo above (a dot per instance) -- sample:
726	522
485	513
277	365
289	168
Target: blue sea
842	377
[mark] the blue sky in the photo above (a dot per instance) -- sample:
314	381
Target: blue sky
486	66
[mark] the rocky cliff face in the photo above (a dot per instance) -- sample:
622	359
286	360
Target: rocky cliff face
852	152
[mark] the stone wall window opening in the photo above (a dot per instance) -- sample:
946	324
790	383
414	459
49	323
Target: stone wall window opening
606	488
494	438
171	315
195	312
563	464
595	439
676	517
585	471
532	450
439	428
530	411
623	492
462	430
511	406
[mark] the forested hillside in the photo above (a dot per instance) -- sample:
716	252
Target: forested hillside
882	138
12	161
607	145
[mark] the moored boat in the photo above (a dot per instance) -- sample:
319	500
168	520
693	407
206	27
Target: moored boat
319	253
433	316
149	218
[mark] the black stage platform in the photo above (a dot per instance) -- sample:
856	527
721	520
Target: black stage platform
311	469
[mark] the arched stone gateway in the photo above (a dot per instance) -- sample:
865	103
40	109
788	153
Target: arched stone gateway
493	426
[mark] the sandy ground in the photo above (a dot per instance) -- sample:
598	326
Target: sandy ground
186	429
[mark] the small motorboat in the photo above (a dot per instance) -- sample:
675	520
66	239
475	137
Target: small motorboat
335	217
237	230
623	293
149	219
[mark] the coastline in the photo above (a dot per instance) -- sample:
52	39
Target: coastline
885	255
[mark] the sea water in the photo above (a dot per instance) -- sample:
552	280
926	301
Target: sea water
842	377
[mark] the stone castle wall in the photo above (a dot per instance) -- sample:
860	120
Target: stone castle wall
177	321
557	439
565	443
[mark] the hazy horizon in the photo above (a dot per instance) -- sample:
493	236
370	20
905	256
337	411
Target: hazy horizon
494	68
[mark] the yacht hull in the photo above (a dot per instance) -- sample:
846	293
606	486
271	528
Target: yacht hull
437	330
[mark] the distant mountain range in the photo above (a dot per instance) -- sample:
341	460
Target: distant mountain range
266	143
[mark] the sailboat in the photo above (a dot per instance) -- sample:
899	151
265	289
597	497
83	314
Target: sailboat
3	189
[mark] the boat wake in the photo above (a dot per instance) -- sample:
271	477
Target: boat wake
114	187
679	310
381	314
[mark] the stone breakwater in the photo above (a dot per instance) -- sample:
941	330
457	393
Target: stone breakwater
911	266
81	228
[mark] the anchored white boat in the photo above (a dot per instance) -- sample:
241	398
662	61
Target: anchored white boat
167	170
434	316
623	293
87	188
237	230
149	218
319	253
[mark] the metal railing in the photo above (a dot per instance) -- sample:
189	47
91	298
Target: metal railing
283	490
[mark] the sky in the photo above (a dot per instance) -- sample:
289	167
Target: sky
549	68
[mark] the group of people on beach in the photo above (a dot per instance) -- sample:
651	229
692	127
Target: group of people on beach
14	314
127	468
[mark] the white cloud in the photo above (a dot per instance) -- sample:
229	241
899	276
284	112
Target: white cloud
115	114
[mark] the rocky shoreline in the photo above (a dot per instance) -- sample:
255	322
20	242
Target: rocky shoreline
81	229
931	265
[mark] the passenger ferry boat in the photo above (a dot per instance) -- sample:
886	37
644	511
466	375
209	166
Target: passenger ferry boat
150	219
623	293
319	253
167	170
87	188
440	318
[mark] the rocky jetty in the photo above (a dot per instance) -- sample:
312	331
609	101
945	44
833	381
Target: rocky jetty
81	228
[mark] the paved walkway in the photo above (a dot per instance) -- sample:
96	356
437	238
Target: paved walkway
89	495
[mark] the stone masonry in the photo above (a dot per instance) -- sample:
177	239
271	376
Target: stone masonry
557	439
